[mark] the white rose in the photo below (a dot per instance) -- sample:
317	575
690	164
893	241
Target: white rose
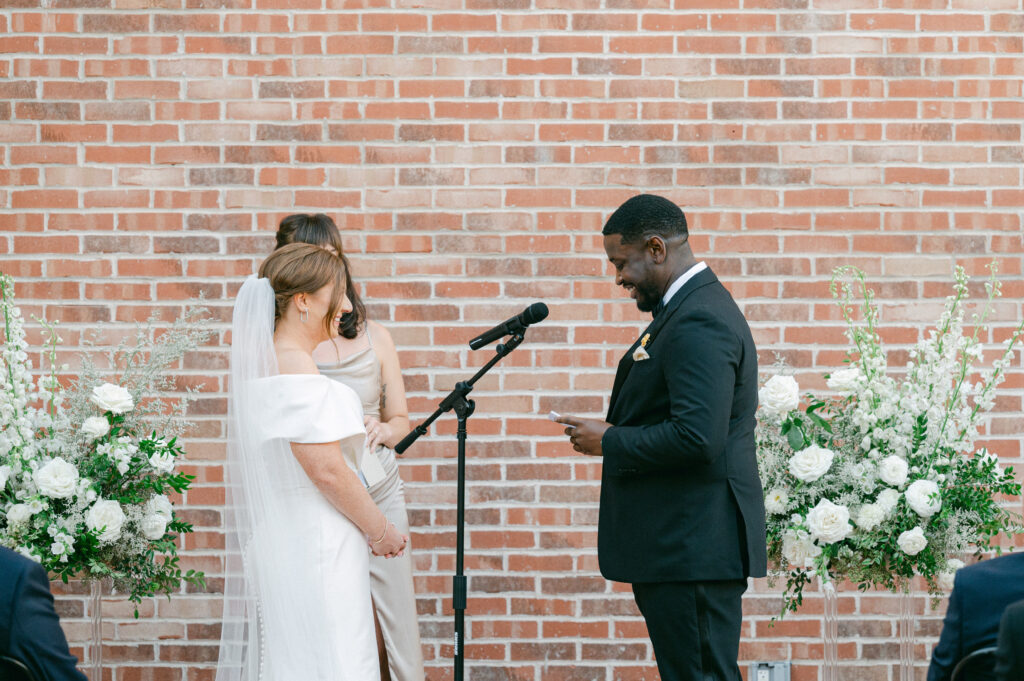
811	463
154	526
776	501
27	552
159	505
869	516
779	395
5	475
798	549
845	381
95	427
57	548
828	522
912	542
923	497
18	515
112	398
56	479
947	576
887	500
106	514
893	471
162	461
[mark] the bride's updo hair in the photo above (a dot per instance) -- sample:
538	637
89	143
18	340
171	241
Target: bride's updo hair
304	268
320	230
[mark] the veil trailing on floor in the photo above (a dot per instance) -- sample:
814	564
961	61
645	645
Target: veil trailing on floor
274	624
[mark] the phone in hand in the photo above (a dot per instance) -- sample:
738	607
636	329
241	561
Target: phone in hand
554	416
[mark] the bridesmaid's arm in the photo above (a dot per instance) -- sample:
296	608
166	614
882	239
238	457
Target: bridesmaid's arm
394	410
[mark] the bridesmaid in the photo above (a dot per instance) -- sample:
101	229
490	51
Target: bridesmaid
364	358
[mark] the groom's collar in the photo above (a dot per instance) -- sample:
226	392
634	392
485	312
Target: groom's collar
681	281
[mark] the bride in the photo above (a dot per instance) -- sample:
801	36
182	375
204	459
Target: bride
297	594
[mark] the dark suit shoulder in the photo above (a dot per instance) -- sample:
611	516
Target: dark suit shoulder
988	573
711	305
15	568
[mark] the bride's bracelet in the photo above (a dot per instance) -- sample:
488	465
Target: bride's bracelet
387	523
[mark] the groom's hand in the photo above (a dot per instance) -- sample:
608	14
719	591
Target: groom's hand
585	434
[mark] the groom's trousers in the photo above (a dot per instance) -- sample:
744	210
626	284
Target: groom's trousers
694	627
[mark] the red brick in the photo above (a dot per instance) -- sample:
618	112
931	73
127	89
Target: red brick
470	158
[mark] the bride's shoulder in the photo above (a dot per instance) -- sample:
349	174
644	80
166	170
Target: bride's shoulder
294	361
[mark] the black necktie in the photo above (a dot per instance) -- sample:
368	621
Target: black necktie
658	309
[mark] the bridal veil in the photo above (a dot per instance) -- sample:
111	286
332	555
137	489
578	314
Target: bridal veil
275	625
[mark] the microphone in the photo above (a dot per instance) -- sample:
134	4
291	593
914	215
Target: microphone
517	324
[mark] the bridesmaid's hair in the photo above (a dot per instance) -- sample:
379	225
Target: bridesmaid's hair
644	216
320	230
304	268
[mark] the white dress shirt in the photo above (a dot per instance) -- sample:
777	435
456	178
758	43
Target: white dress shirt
682	279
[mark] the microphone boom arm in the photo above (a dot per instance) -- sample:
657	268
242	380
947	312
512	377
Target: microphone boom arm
461	390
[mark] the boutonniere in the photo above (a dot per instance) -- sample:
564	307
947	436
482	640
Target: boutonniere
640	354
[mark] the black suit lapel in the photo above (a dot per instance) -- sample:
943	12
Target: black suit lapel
625	364
702	278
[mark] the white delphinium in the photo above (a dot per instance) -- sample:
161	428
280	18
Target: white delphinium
779	395
988	458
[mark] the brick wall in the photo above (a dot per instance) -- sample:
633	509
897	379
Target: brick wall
471	151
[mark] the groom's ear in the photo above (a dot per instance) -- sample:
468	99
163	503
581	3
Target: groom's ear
656	249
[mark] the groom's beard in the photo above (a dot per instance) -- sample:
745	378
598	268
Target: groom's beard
647	297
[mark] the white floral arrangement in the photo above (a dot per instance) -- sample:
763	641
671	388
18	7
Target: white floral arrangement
82	490
883	481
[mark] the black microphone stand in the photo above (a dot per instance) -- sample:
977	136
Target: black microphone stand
463	407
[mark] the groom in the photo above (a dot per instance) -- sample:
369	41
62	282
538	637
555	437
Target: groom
682	509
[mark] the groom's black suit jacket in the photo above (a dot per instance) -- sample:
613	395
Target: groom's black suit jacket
681	499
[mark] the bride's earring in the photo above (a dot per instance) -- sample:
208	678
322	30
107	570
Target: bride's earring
303	316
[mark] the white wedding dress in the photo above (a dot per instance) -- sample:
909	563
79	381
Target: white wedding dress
297	589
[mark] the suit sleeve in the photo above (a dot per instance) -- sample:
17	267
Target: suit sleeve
1009	661
699	361
36	637
949	649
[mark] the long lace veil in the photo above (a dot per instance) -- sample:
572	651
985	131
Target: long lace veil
273	624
